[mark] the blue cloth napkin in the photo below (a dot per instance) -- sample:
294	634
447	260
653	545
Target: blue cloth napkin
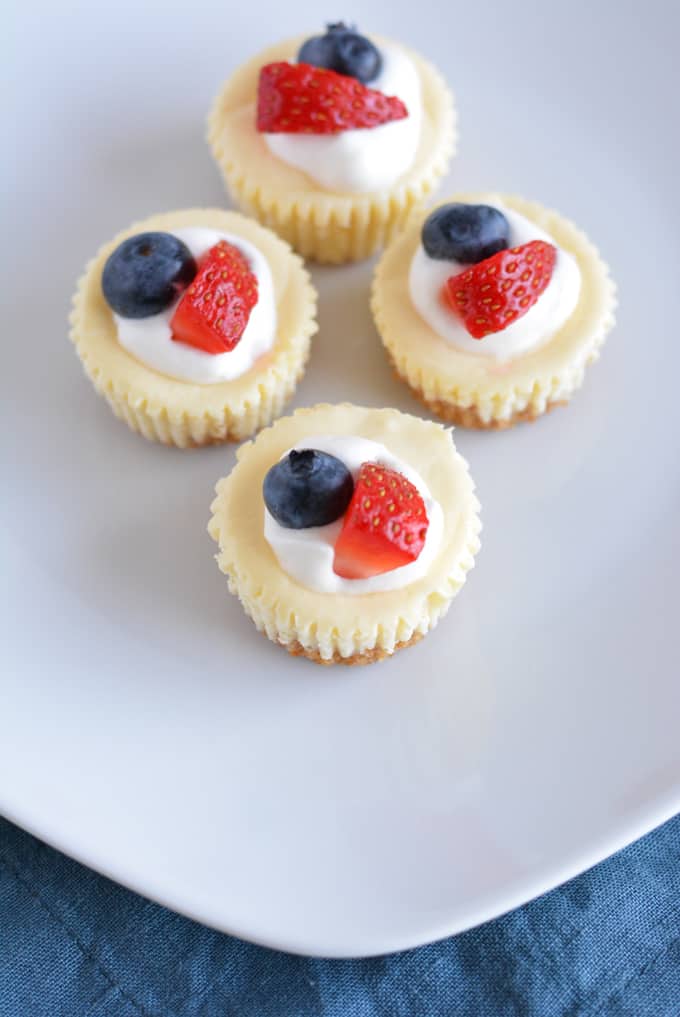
73	944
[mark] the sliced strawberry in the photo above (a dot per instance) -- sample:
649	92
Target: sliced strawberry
214	311
302	99
492	294
384	526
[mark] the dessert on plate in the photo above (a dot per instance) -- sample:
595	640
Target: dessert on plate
345	532
491	307
332	140
195	325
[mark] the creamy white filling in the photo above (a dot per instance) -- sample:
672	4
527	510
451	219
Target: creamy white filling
150	339
366	159
307	555
427	277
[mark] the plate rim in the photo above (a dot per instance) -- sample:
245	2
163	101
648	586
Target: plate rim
641	821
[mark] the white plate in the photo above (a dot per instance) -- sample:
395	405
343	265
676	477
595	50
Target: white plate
145	728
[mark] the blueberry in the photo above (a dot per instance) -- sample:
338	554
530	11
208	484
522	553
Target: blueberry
466	233
307	488
344	50
146	273
319	51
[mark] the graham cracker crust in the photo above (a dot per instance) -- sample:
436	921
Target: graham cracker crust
467	416
374	656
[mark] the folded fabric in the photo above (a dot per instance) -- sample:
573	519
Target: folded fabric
74	944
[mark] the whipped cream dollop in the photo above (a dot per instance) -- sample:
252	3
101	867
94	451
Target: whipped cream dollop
427	277
307	555
369	158
150	339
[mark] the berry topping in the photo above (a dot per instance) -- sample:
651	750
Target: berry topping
385	525
467	233
213	313
498	291
342	49
301	99
146	273
307	488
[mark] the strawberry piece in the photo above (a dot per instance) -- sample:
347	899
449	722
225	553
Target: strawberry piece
384	526
214	311
302	99
492	294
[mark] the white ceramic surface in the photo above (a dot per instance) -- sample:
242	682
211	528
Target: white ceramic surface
145	728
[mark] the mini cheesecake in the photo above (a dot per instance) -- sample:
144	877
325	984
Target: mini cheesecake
195	326
491	307
332	140
346	532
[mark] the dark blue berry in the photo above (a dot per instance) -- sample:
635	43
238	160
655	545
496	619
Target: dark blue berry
319	51
307	488
466	233
146	273
344	50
